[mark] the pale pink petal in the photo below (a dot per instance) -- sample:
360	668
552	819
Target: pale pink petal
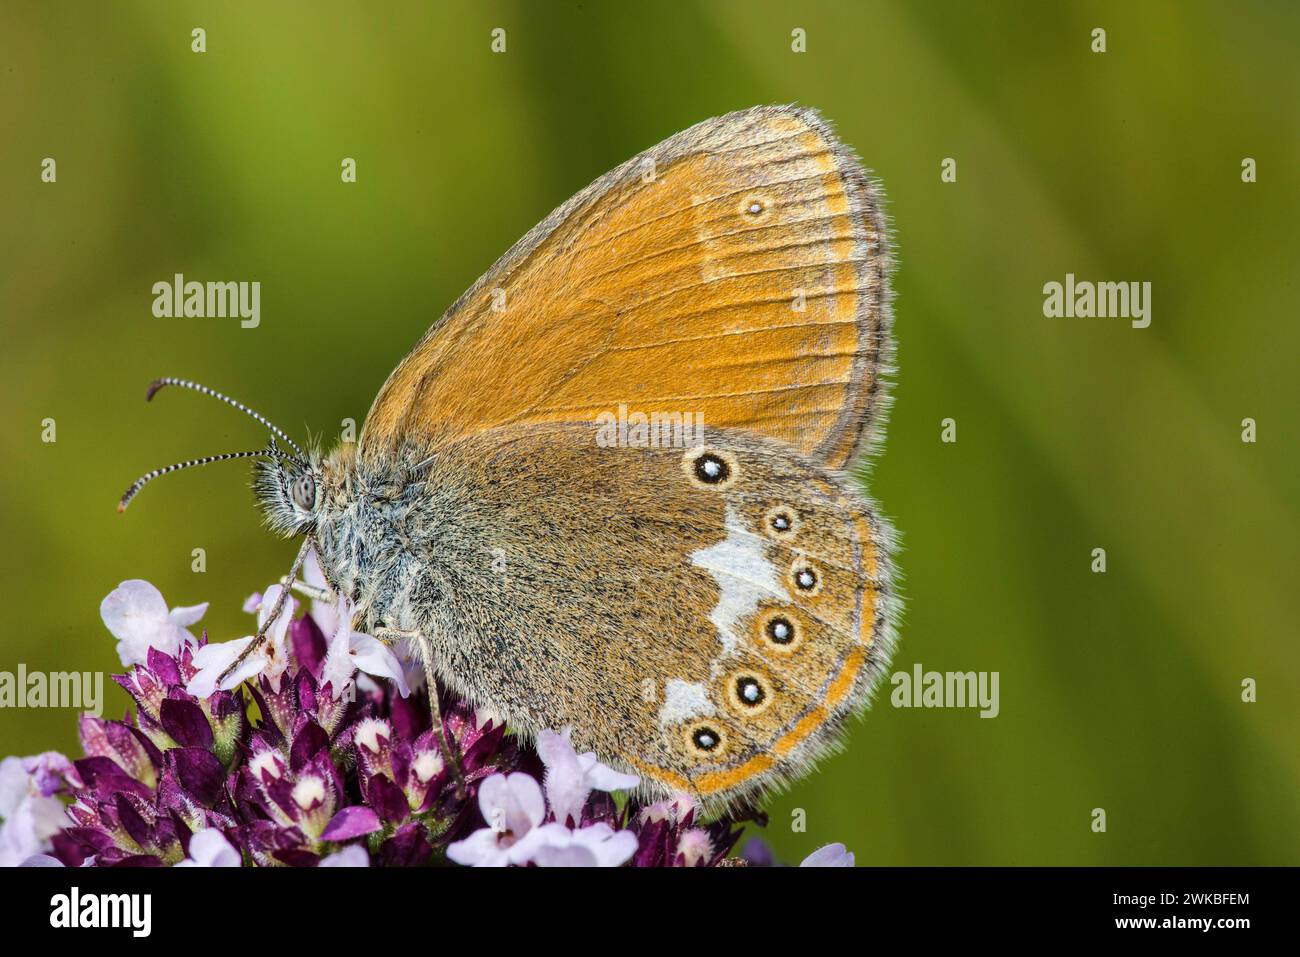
611	848
339	666
15	785
412	669
368	685
280	628
188	615
337	673
478	850
604	778
554	845
312	573
350	651
131	603
570	855
570	777
213	659
276	645
492	795
269	598
18	839
525	849
832	855
30	815
375	658
136	614
529	802
354	855
566	784
48	816
325	613
209	848
48	772
219	651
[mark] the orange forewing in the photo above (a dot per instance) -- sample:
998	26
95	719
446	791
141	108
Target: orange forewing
737	270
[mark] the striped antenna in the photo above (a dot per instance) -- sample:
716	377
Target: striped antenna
144	480
186	384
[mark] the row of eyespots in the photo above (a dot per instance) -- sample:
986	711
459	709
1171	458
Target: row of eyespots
711	468
716	469
748	693
783	524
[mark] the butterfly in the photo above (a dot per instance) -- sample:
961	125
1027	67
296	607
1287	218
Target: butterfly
699	588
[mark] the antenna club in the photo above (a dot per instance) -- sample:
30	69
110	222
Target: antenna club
154	386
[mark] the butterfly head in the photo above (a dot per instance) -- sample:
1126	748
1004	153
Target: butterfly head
289	491
288	483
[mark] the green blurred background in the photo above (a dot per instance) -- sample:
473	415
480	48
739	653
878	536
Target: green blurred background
1120	691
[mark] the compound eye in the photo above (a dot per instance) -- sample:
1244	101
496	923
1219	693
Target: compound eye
303	492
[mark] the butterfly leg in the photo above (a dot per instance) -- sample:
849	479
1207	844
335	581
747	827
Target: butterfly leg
314	592
327	593
452	756
276	611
